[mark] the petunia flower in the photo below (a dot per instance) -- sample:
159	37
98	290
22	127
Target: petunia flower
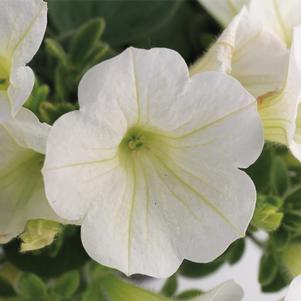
279	16
223	10
267	69
294	290
22	27
149	164
250	53
279	109
22	196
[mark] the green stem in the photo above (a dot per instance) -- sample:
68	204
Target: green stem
258	242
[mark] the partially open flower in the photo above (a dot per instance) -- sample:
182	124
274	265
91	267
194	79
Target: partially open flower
267	69
278	16
250	53
149	164
223	10
22	27
228	291
22	196
279	109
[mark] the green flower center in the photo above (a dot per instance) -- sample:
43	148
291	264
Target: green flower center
135	139
4	75
136	142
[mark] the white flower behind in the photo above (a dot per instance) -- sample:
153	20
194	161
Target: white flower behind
294	291
149	164
261	61
280	16
223	10
22	196
250	53
22	27
227	291
279	109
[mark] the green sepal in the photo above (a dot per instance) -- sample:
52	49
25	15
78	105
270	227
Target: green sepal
67	284
57	51
6	289
85	39
31	286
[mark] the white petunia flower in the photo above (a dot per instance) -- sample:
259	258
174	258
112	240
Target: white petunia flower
250	53
149	164
267	69
280	16
223	10
294	292
228	291
279	110
22	27
22	196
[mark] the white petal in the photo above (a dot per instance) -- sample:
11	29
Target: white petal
133	79
224	11
278	111
227	113
23	24
79	152
228	291
277	15
294	290
28	131
5	109
296	78
250	53
21	85
22	195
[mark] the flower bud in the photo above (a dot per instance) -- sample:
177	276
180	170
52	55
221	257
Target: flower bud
39	234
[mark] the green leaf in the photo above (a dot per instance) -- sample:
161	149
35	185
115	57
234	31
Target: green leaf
67	284
189	294
50	112
170	286
236	251
61	84
260	171
31	286
268	269
280	239
126	20
57	51
96	55
197	270
38	95
6	289
278	283
93	293
279	176
85	39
